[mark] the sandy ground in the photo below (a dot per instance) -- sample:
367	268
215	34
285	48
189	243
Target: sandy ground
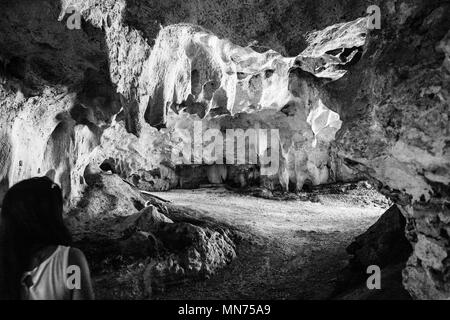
292	249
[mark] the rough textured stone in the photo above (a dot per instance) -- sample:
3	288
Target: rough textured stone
148	80
426	275
64	93
382	244
148	220
395	106
117	235
200	252
108	195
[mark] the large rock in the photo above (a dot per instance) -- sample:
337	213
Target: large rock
427	272
107	195
383	244
142	247
148	219
125	78
200	252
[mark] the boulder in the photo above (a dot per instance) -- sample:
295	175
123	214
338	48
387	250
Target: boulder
198	253
384	243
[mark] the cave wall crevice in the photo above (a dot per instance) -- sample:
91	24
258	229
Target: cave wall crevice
122	86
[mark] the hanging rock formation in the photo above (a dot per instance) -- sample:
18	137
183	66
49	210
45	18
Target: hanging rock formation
345	99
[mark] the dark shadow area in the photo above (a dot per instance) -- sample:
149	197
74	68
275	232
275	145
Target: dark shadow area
40	51
383	245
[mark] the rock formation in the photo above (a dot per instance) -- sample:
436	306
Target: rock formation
120	230
384	245
118	93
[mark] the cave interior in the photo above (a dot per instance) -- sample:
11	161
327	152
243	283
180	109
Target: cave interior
237	149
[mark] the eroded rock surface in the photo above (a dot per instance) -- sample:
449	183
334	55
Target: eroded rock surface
385	246
394	105
142	248
345	99
383	243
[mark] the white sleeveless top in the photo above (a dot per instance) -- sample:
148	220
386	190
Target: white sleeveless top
48	279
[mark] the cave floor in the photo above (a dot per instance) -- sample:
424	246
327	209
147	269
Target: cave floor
290	249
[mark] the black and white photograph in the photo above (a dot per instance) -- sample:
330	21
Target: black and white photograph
235	152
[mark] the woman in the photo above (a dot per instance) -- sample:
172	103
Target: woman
36	260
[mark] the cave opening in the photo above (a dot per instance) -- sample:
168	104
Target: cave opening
336	182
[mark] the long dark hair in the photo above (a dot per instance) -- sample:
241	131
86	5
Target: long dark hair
31	219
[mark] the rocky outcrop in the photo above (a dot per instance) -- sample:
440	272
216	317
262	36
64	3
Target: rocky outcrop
209	83
137	242
137	73
427	270
394	106
56	95
383	245
199	253
117	79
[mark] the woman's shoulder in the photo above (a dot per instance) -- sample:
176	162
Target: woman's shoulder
75	252
77	257
85	291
